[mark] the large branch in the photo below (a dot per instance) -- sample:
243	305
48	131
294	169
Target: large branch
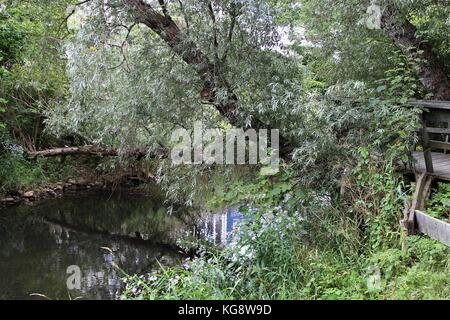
95	150
209	72
168	30
84	150
404	34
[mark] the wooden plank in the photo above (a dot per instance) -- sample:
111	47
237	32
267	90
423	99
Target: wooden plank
444	177
447	137
426	148
440	157
423	187
432	104
439	145
438	130
441	164
439	168
434	228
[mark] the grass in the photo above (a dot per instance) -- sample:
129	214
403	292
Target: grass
272	262
18	173
438	205
300	246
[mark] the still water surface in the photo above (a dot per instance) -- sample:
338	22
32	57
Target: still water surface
39	242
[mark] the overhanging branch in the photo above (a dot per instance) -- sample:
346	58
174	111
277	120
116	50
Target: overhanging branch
209	72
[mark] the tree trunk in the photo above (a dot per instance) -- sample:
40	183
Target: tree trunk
209	73
168	30
87	150
431	73
95	150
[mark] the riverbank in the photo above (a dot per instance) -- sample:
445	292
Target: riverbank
57	189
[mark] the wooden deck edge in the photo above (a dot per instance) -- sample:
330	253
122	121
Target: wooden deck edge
434	228
414	168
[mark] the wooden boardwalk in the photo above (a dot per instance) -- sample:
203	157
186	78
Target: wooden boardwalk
434	135
441	164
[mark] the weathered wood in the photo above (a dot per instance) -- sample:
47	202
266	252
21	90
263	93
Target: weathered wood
441	165
96	150
404	222
430	165
434	228
438	130
86	150
423	187
431	104
438	145
447	137
426	147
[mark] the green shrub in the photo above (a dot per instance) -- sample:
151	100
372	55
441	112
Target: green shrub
438	204
301	245
17	173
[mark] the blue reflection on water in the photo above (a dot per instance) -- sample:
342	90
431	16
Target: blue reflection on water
221	228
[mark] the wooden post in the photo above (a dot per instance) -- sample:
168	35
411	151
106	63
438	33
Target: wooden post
447	138
423	187
426	147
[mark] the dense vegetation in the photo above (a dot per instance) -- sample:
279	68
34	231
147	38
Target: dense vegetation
124	74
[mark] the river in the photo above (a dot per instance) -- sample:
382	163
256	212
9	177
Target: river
104	234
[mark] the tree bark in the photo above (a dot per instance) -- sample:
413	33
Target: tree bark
404	34
86	150
209	72
169	31
95	150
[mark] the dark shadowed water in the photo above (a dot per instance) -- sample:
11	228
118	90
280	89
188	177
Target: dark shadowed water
104	234
38	243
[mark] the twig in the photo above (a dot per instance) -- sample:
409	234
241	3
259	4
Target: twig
163	5
66	19
121	48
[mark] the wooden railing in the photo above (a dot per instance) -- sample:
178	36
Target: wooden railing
438	113
416	219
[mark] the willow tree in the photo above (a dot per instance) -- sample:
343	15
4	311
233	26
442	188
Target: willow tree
413	33
139	69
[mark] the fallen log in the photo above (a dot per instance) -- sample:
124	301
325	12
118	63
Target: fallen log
90	149
96	150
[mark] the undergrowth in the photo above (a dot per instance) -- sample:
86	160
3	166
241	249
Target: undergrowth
438	205
303	245
334	239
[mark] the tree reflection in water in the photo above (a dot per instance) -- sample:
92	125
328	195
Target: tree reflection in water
38	243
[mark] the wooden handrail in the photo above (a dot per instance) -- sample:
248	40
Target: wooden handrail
438	130
431	104
439	145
